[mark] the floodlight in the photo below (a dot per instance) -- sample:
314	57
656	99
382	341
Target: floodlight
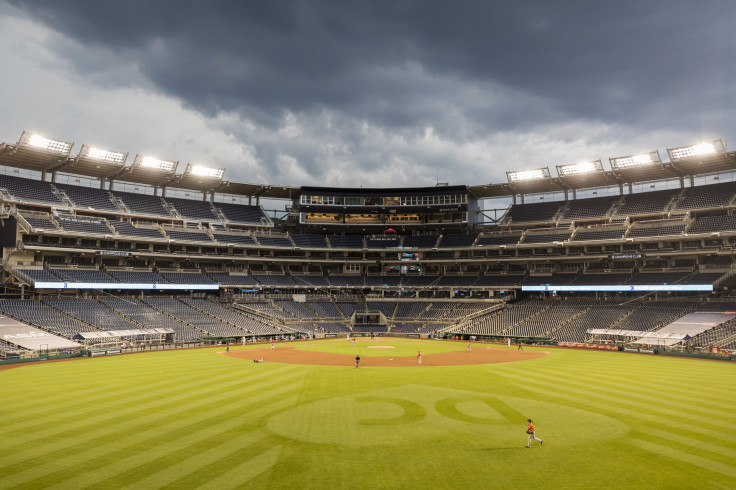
523	175
635	160
579	168
203	171
701	149
155	163
102	155
44	143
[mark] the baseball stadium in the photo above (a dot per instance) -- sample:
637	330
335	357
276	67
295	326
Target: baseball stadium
165	327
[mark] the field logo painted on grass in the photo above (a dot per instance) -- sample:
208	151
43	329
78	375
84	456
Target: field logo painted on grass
422	413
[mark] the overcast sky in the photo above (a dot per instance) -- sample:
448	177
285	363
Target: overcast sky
370	93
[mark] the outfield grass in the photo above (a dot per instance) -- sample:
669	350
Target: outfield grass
184	419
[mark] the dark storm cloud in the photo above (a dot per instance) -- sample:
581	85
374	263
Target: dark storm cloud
401	64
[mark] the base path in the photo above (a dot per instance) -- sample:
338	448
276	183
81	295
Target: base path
290	355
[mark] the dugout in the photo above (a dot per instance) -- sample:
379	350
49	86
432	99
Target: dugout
151	336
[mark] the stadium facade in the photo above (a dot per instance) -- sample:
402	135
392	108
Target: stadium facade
99	251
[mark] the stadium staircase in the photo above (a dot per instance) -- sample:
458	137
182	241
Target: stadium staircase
674	201
62	196
180	320
93	327
117	201
131	320
469	319
559	327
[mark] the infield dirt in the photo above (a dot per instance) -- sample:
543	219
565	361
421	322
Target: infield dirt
287	354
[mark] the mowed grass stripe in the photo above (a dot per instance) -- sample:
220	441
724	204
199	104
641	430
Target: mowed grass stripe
176	432
101	390
616	395
641	371
118	410
178	449
164	413
98	390
223	446
716	452
612	406
245	471
125	419
686	458
656	392
620	396
635	383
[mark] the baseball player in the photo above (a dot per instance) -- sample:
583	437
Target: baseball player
530	430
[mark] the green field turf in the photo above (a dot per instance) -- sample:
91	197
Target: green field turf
195	418
401	347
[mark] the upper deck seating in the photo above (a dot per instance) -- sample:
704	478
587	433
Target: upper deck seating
341	280
136	277
188	235
42	223
599	233
383	242
232	279
84	225
499	239
533	212
383	280
126	229
242	213
457	240
557	236
189	208
647	202
143	203
309	241
420	241
590	208
88	197
637	231
657	277
554	279
310	280
713	224
274	241
346	241
612	279
234	239
456	281
500	280
29	190
274	280
187	278
418	281
708	196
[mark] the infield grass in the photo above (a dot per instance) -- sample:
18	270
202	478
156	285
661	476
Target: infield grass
190	419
